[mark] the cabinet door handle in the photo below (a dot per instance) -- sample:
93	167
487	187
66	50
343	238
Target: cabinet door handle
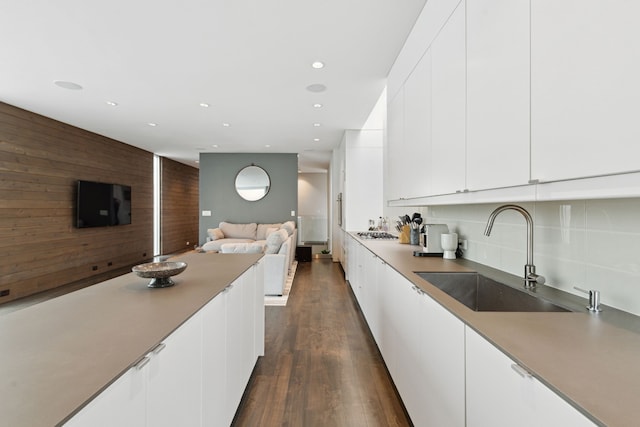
157	349
142	362
520	370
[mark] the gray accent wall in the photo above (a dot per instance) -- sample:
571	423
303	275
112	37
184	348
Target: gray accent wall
218	195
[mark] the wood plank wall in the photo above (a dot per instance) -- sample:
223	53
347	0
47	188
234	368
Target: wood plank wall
40	162
180	204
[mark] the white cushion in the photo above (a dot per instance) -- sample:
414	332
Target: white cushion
217	244
215	234
242	248
239	231
261	233
275	240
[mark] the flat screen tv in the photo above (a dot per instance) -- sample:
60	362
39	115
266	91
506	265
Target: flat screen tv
101	205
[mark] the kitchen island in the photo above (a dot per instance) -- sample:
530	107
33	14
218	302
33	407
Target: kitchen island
57	356
589	360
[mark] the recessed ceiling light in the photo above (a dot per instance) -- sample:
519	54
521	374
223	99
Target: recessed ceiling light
204	105
316	139
215	145
112	104
226	125
317	105
316	87
152	124
317	65
316	125
267	146
67	85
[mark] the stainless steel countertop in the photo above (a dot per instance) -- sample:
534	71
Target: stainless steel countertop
591	360
57	355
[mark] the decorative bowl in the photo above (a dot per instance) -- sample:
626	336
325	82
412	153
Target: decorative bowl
160	272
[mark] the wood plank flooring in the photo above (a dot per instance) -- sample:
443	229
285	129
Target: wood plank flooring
321	366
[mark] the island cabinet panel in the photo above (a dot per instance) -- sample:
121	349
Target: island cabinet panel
584	88
502	393
214	362
196	376
123	403
174	378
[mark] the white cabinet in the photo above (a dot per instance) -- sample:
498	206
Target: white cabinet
448	106
162	389
423	347
441	374
501	393
584	88
123	403
416	153
173	385
214	366
395	173
362	197
197	375
497	93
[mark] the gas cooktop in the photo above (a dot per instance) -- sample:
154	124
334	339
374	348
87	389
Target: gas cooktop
380	235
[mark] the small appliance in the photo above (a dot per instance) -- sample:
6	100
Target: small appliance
430	239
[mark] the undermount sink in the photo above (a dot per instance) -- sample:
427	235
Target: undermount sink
481	293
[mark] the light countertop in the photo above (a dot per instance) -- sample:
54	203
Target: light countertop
591	360
57	355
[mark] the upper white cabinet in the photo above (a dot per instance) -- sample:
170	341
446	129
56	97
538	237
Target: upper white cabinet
447	163
497	93
584	88
395	150
502	393
416	153
362	197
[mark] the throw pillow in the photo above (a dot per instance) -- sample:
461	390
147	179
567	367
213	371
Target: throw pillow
289	226
239	231
261	234
275	240
215	234
269	231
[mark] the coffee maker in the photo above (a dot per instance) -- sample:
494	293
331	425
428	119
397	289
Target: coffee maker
430	239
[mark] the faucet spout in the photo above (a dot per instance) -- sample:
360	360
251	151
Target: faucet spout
530	276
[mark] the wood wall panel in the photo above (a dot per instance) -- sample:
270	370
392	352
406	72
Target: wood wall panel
41	161
180	204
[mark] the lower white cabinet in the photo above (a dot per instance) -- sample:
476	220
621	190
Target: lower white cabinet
123	403
173	385
441	374
501	393
422	345
197	375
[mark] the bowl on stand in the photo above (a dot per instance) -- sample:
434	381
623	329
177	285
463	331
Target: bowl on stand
159	272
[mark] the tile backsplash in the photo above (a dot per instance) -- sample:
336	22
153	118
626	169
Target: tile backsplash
592	244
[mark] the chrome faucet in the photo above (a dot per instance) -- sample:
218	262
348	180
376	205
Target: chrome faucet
530	276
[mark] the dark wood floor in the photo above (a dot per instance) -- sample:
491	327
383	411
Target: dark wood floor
321	366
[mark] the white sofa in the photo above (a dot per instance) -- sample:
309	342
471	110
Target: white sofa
276	241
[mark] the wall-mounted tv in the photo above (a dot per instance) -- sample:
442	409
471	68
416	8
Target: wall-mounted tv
102	205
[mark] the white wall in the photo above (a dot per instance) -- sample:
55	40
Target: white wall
592	244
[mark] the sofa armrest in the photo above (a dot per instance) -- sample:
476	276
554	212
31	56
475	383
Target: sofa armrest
275	273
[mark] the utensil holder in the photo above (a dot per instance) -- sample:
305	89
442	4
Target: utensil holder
414	236
404	236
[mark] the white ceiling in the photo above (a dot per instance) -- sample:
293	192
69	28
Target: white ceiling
250	60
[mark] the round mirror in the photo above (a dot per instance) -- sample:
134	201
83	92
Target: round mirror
252	183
